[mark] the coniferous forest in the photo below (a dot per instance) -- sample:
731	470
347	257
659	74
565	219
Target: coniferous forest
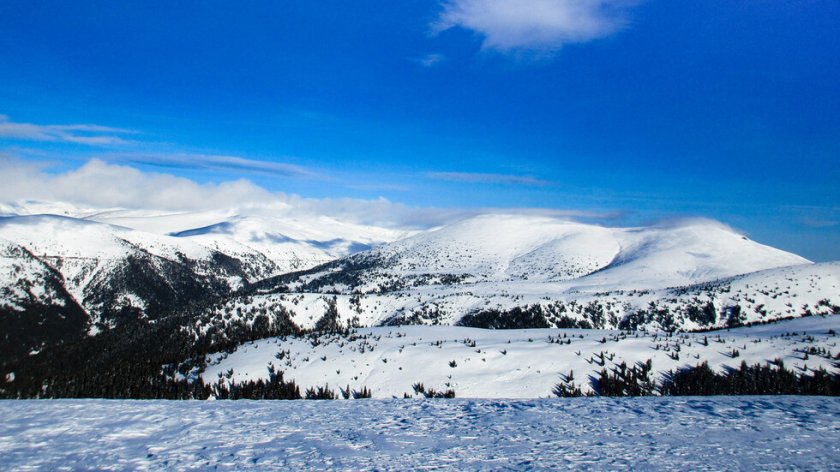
700	380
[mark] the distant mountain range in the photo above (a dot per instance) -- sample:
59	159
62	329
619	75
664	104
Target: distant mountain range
67	273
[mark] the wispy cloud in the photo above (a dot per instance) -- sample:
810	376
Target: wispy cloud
383	212
431	60
534	25
814	216
382	186
475	177
212	162
820	223
88	134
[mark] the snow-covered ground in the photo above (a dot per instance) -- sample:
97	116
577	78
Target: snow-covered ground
479	363
700	433
763	296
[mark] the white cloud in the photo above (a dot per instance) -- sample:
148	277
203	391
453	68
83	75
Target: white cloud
100	185
534	25
89	134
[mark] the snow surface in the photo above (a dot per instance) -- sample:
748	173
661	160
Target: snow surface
513	363
699	433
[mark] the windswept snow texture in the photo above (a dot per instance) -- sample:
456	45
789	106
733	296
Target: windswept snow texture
701	433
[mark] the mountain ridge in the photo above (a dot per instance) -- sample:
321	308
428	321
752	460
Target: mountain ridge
495	270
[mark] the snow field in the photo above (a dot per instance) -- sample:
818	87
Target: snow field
699	433
512	363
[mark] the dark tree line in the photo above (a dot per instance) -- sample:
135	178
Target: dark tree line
347	393
534	316
750	380
515	318
770	379
135	359
429	392
276	388
158	359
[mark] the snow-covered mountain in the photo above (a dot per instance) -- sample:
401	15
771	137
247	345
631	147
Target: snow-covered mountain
56	264
289	241
509	248
71	270
524	271
35	306
493	271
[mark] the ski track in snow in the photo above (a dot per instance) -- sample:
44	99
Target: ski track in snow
687	433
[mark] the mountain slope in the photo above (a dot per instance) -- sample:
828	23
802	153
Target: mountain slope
513	271
292	244
492	271
515	363
172	299
282	239
35	308
77	244
506	248
109	274
112	272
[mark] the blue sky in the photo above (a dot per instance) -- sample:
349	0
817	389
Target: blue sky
634	111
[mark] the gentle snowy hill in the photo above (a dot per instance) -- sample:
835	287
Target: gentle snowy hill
683	254
539	249
480	363
502	271
503	247
291	243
